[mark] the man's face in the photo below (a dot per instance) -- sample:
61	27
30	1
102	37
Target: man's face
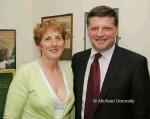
102	32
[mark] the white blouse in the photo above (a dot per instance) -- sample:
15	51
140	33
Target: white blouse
58	104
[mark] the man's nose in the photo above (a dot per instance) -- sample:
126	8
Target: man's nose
100	32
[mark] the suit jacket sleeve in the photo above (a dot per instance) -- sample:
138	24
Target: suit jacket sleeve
140	89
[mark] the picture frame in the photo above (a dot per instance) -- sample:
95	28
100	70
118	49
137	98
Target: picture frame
7	49
6	77
87	43
68	20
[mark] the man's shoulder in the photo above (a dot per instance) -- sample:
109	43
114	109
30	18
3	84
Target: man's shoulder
130	54
82	53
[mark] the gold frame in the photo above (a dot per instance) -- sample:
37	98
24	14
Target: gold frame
4	86
7	49
13	71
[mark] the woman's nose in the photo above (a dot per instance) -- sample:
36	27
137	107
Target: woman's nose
54	42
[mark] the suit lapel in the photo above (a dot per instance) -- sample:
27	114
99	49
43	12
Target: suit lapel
81	73
113	69
84	62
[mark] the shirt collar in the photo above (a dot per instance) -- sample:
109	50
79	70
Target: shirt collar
106	54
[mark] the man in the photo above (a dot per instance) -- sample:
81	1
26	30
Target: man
123	75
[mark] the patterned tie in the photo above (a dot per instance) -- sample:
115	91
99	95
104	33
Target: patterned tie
93	88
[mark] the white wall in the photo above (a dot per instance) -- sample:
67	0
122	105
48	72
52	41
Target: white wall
17	14
134	17
23	15
58	7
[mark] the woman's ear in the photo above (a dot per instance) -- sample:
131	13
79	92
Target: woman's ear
39	48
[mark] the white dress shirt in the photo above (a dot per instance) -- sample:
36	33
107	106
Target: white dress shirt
104	61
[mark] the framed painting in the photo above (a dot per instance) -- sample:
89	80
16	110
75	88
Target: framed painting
7	49
87	43
68	21
6	77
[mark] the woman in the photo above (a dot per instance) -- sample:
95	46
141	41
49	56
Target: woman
43	89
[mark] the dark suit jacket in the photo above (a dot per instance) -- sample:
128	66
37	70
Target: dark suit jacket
126	87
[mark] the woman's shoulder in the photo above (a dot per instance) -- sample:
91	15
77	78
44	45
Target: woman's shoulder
65	64
30	66
66	67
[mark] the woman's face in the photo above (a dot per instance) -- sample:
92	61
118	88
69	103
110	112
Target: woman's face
51	45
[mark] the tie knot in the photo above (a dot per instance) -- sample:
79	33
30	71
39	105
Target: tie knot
97	56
